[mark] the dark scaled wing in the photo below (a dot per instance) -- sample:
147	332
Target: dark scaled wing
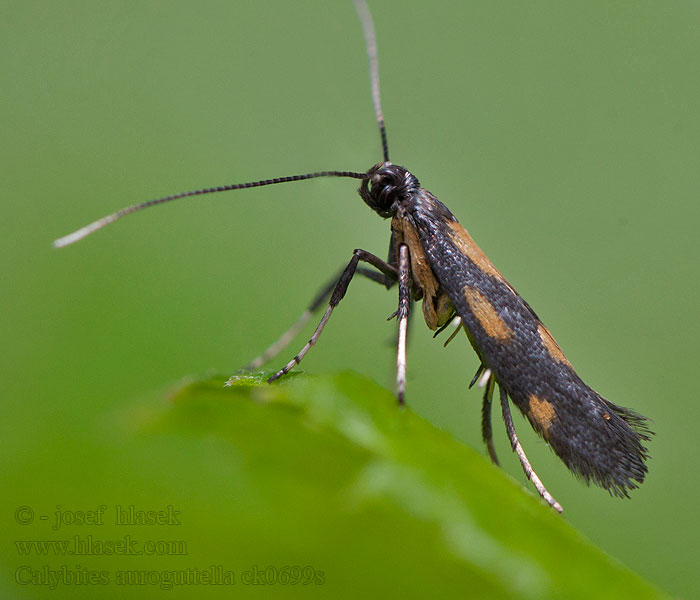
598	440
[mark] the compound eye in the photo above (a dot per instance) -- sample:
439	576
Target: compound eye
378	182
385	187
383	190
384	180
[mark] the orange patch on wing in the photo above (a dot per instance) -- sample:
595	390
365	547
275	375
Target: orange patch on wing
486	314
541	414
551	345
467	246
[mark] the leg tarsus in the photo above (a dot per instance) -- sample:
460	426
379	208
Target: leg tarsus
518	449
486	429
402	314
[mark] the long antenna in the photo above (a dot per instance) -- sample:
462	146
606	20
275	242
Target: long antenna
371	45
78	235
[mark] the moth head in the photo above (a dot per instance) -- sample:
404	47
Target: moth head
386	187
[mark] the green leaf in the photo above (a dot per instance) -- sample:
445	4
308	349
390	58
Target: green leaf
330	472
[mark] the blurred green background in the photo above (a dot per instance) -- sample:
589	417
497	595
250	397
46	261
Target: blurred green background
564	136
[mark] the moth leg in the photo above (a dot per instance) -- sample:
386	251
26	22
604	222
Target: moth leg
336	296
486	430
479	371
385	280
457	323
322	296
515	443
402	314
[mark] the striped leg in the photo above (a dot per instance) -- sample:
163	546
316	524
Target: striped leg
486	430
285	339
402	315
515	443
337	295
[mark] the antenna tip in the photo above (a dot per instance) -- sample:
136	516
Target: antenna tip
78	235
61	242
69	239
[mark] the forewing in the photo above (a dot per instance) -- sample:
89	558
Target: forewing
597	439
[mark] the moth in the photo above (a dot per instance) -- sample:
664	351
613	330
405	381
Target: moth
432	259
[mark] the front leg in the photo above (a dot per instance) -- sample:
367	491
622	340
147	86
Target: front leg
322	296
337	295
